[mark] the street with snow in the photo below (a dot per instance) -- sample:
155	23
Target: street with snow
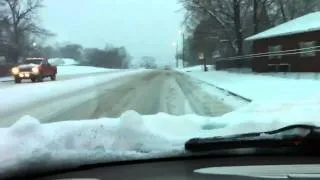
103	116
109	94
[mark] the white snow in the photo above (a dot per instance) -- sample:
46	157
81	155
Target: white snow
30	145
4	79
258	87
306	23
77	70
63	61
275	100
46	91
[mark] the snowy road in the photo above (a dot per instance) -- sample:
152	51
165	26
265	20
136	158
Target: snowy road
8	82
147	93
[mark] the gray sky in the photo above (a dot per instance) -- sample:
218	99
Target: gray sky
144	27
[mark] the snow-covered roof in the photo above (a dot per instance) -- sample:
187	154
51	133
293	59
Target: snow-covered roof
306	23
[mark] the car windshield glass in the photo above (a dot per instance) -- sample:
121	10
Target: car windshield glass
34	61
123	80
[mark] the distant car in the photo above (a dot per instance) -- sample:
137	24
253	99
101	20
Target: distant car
34	69
167	68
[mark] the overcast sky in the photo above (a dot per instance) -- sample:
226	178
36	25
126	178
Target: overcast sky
144	27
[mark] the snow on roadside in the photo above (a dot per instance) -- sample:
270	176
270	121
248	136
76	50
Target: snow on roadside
257	87
77	70
29	145
63	61
4	79
225	97
67	66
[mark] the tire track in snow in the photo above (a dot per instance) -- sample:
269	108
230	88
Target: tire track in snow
201	102
173	99
147	93
110	102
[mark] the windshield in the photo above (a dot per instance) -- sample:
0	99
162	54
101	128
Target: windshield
33	61
134	79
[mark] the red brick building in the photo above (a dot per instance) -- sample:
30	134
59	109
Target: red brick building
294	45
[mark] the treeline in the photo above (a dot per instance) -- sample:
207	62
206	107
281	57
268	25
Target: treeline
109	57
218	27
21	36
19	28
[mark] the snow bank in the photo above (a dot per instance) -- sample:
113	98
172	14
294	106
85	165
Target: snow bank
68	66
28	145
4	79
63	61
77	70
258	87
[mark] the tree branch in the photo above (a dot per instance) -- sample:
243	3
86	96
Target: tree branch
221	23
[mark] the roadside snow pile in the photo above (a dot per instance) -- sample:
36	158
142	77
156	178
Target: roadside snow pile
4	79
77	70
63	61
30	146
257	87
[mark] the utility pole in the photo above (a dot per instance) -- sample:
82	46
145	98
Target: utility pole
175	44
177	57
183	60
204	60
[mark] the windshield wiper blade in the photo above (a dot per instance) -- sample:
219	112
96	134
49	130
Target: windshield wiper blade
294	136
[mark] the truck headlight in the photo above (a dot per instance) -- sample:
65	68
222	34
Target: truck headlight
35	70
15	70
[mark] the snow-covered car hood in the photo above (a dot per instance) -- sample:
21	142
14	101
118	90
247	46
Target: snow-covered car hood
28	144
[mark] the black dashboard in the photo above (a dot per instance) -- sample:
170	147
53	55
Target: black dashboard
202	168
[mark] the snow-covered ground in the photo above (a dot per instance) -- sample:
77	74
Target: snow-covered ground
286	75
4	79
77	70
277	102
258	87
63	61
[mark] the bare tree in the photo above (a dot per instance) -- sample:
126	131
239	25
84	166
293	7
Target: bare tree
148	62
108	58
229	14
235	19
282	10
22	15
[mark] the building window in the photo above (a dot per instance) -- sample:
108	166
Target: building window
308	48
274	49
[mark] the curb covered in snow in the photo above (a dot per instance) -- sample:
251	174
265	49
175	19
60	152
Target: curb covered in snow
6	80
220	88
232	93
